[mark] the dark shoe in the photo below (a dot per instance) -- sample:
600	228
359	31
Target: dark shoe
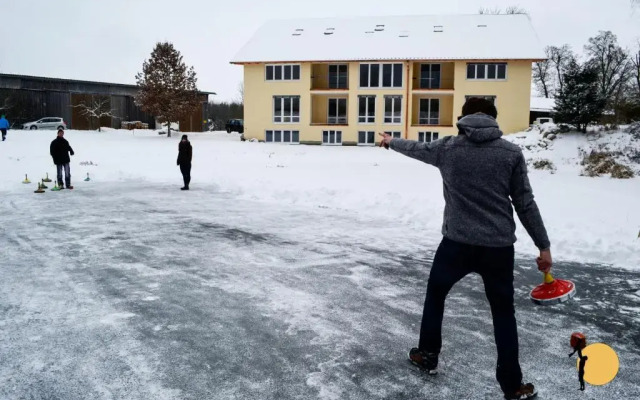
184	188
526	391
69	187
424	360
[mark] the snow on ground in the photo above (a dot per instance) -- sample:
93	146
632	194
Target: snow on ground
288	272
588	219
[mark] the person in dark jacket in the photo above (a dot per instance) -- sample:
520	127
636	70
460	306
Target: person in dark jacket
4	126
184	161
483	176
60	150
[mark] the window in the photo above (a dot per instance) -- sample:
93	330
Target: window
370	76
338	76
391	75
429	112
395	134
282	136
427	136
494	71
430	76
392	109
286	109
366	109
337	111
332	137
366	138
287	72
492	99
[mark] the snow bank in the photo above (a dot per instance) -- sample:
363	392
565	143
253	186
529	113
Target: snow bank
588	219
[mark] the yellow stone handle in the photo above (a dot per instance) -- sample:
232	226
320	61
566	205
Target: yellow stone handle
547	277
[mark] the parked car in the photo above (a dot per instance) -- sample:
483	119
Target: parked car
46	123
235	125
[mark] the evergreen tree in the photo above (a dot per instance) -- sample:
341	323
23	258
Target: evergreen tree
167	87
580	101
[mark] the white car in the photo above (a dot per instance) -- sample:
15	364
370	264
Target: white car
46	123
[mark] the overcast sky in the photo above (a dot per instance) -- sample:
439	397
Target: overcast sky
108	40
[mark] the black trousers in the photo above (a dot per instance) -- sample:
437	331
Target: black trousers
186	173
453	261
4	133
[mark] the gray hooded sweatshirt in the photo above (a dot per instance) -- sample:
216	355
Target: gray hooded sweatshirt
482	176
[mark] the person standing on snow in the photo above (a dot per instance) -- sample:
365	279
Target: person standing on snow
184	161
483	175
60	150
4	127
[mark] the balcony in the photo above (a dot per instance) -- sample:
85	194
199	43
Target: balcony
433	78
330	78
329	109
432	110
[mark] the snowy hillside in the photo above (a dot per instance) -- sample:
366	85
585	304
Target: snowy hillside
588	219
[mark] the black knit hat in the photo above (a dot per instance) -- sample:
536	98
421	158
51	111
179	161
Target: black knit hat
479	104
184	137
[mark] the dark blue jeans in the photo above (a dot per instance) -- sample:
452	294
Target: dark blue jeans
453	261
67	174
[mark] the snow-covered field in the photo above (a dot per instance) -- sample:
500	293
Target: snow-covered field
287	272
588	219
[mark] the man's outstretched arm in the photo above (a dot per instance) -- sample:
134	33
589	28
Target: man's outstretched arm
426	152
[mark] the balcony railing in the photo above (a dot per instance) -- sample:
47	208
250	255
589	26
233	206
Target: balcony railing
432	84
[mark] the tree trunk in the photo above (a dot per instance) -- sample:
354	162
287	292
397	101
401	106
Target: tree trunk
168	128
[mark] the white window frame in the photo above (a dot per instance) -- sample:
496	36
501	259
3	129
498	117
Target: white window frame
380	76
428	110
394	120
431	135
337	117
430	72
368	134
394	134
294	119
281	133
486	72
369	117
329	75
335	135
281	66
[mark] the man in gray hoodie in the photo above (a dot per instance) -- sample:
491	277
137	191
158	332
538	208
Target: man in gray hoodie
483	175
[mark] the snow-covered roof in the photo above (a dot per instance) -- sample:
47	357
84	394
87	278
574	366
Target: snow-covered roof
542	104
430	37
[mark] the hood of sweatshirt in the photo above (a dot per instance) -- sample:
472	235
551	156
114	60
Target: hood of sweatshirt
480	128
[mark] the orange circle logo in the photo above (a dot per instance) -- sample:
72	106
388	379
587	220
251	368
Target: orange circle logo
602	366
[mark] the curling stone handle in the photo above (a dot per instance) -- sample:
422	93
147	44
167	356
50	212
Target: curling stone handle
547	277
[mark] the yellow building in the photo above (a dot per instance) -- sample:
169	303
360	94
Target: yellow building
341	81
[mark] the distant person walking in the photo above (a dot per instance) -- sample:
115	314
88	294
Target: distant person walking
4	127
184	161
60	150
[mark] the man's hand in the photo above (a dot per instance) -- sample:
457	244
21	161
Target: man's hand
544	261
386	139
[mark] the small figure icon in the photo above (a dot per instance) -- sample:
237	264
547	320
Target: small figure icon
578	343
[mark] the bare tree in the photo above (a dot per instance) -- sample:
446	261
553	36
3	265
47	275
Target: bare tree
560	58
511	10
543	74
241	92
97	109
167	86
635	62
6	104
611	61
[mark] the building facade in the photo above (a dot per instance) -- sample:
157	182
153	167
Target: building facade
29	98
389	83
